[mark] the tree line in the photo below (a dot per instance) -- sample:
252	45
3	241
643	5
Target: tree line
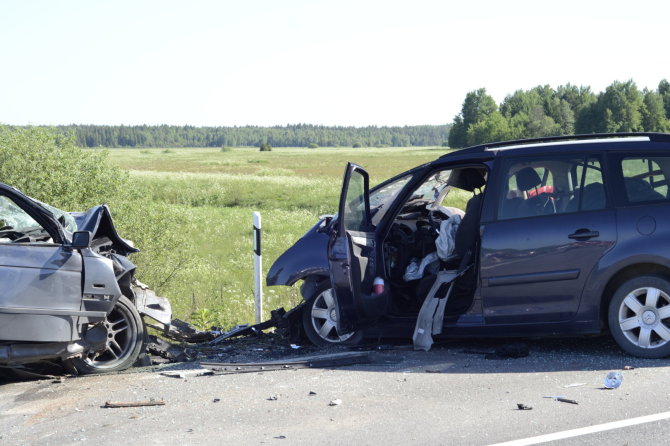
300	135
566	110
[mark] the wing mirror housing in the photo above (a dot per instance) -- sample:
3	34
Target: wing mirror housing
81	239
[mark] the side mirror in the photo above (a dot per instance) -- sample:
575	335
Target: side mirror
81	239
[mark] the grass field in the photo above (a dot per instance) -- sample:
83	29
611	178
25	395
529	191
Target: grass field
217	191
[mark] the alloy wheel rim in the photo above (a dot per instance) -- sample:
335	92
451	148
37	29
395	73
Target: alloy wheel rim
644	317
121	338
324	318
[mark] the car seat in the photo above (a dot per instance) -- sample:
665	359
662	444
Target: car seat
527	180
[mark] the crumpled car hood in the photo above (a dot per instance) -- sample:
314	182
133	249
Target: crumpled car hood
98	221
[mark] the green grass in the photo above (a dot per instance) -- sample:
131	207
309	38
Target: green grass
217	193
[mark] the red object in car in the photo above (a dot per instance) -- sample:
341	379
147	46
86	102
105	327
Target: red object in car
541	190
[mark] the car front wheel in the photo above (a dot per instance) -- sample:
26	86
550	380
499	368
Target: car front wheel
639	317
124	341
319	319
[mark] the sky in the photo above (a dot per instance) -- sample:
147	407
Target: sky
339	62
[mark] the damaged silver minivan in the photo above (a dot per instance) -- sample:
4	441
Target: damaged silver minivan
68	289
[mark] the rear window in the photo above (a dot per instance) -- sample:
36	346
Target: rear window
645	178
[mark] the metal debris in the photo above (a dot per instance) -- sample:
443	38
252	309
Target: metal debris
284	321
239	330
521	406
151	402
336	402
562	399
185	332
508	351
166	350
336	360
187	373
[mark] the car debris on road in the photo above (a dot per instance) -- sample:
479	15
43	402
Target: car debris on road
116	405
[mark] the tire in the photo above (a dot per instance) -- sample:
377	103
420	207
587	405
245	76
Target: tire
639	317
125	341
319	320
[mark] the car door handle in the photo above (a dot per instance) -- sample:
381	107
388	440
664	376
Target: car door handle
583	234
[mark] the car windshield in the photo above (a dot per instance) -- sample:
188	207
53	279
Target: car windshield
65	219
381	198
14	218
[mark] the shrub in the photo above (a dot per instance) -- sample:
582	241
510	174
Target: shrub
357	145
226	149
313	145
265	147
47	165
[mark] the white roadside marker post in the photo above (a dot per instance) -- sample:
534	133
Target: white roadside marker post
258	284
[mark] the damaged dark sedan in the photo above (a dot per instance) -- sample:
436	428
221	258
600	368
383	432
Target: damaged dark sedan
546	237
68	289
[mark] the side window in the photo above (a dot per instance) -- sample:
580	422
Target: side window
16	226
355	213
551	185
589	195
645	178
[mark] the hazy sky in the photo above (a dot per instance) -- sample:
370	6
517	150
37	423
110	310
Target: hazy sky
335	62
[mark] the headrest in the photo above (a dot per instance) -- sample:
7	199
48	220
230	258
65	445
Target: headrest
527	178
468	179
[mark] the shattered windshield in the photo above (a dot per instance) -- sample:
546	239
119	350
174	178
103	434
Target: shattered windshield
431	189
65	219
16	226
14	218
381	198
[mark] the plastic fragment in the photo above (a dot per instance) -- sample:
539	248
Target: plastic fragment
613	380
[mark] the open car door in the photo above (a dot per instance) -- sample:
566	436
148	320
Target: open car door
351	252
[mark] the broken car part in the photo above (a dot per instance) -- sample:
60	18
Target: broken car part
562	399
69	291
151	402
324	361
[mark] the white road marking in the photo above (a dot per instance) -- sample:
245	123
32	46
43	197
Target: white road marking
586	430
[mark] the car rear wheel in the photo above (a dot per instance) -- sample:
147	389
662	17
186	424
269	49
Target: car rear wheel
639	317
319	319
123	344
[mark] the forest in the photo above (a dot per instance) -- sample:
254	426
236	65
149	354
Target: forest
565	110
540	111
299	135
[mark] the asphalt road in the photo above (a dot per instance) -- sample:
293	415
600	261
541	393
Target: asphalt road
441	397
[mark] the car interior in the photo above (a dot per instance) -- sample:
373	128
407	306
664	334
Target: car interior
436	229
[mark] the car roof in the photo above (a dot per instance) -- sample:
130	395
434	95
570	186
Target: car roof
537	144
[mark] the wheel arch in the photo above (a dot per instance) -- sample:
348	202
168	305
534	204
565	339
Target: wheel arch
623	275
311	283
